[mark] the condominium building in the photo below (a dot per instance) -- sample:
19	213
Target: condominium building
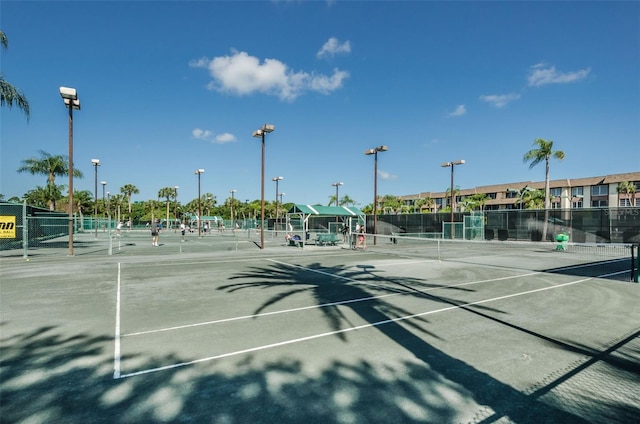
590	192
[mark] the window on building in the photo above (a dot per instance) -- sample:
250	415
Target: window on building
555	192
576	205
492	195
510	195
599	203
577	191
624	202
555	205
599	190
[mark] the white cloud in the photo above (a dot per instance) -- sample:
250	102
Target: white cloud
242	74
209	136
225	138
386	176
333	47
500	100
460	110
201	134
542	74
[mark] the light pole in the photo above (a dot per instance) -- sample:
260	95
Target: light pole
374	152
71	101
453	197
276	179
96	164
198	173
233	225
175	208
266	128
104	205
336	185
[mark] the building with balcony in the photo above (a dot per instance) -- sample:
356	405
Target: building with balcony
590	192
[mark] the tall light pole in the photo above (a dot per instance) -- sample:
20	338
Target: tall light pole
336	185
71	101
175	208
233	225
374	152
104	205
198	173
276	179
266	128
96	164
453	197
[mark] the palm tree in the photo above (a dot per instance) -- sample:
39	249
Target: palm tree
208	201
39	197
51	166
532	199
423	202
83	201
128	190
346	201
167	193
629	188
543	151
116	202
8	93
477	200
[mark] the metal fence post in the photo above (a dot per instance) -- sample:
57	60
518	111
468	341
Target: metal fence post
637	267
25	231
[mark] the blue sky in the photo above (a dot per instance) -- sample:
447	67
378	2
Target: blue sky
169	87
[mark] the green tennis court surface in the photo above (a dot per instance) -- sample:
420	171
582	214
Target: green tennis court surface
215	330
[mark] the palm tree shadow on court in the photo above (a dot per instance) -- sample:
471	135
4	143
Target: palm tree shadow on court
360	289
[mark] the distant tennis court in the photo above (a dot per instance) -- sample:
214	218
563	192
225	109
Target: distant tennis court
403	331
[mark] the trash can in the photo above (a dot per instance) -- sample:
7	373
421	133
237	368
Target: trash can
562	240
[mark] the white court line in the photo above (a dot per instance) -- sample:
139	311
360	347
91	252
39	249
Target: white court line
116	353
324	305
345	330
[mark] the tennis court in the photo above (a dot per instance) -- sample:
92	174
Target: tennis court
216	330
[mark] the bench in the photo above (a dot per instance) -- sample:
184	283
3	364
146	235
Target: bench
296	242
324	239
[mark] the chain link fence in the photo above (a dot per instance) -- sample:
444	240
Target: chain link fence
24	228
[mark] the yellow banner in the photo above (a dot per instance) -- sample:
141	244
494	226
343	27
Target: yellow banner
7	227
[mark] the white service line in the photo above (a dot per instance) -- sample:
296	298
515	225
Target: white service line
116	353
345	330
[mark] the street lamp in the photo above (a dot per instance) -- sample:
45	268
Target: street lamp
374	152
266	128
198	173
445	165
233	225
276	179
71	101
175	208
96	164
104	206
336	185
